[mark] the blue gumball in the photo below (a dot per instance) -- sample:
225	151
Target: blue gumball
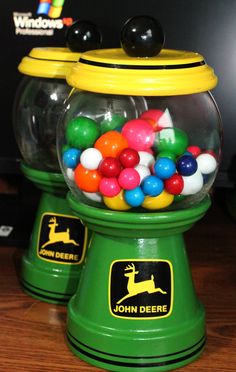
152	185
164	168
186	165
134	197
71	157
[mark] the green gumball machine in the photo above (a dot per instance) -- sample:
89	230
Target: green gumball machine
149	133
51	265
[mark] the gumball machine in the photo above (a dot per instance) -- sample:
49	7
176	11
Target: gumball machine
51	266
149	136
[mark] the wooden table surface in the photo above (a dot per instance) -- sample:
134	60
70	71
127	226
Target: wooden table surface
32	333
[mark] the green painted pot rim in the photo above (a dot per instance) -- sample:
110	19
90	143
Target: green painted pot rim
89	212
42	177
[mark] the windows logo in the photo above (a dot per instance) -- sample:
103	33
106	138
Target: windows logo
51	8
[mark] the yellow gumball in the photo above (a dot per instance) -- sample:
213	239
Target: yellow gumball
158	202
117	202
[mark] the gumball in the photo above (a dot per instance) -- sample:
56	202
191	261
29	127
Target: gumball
158	202
94	196
164	168
186	165
211	152
83	36
87	180
71	157
117	202
70	174
172	140
192	184
82	132
187	153
112	122
142	36
109	186
145	158
150	151
206	163
194	150
143	171
139	133
111	144
134	197
153	116
110	167
129	158
90	158
166	154
152	186
179	198
129	178
174	185
65	148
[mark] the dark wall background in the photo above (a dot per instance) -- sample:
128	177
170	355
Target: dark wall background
205	26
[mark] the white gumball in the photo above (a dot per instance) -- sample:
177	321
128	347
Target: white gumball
90	158
206	163
192	184
146	158
94	196
70	174
143	171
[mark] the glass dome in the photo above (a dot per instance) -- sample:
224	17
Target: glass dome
133	152
38	102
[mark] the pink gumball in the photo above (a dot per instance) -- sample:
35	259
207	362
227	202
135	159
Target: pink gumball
139	133
109	187
129	178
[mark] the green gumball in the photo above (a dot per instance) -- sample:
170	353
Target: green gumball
82	132
172	140
112	122
166	154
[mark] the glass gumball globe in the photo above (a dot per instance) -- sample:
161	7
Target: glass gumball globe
43	90
120	137
38	102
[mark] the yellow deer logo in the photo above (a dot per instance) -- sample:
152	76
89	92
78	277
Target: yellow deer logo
135	288
61	236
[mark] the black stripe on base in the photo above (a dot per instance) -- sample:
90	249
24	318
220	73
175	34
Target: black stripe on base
141	67
52	60
27	287
139	364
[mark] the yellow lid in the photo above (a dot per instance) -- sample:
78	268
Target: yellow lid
48	62
172	72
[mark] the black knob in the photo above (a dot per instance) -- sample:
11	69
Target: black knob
82	36
142	36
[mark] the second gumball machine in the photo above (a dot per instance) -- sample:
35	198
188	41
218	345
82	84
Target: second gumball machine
51	265
149	136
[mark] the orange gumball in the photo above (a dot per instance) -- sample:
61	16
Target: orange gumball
87	180
111	144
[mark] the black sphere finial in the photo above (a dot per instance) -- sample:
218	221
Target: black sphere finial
142	36
82	36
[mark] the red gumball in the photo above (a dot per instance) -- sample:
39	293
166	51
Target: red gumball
129	158
110	167
153	116
194	150
174	185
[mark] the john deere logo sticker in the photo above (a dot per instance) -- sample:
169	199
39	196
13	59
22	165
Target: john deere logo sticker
141	289
62	239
